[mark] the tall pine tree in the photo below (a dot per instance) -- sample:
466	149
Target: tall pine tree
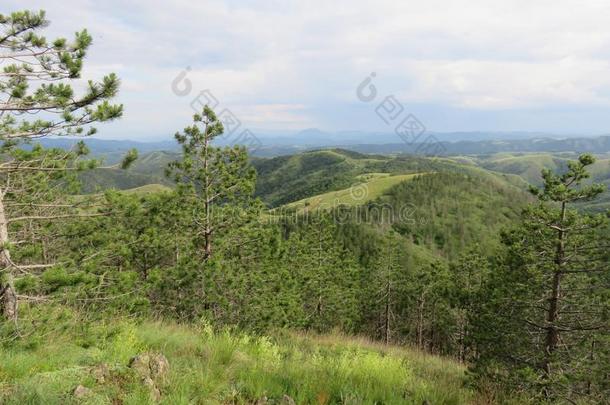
544	324
37	101
215	186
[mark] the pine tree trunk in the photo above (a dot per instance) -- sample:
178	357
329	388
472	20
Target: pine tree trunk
207	249
432	336
387	314
207	233
591	359
420	323
8	296
462	338
9	299
552	335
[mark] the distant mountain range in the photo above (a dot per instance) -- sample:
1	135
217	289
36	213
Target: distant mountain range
445	144
594	145
103	146
317	137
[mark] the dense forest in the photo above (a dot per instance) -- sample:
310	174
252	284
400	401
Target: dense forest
511	282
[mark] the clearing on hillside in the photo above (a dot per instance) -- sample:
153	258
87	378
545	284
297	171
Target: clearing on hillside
371	186
148	189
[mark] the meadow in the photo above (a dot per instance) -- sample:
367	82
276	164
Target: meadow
209	366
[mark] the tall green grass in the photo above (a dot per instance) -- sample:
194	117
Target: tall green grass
222	367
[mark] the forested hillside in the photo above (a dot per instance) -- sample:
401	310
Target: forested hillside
530	166
285	179
148	169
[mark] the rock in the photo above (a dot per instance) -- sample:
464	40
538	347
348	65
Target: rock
159	367
155	394
100	373
141	364
81	391
153	369
151	365
286	400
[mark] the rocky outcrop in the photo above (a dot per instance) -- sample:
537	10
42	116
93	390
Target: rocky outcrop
100	373
153	369
286	400
81	391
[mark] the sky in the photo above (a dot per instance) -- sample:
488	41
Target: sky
283	66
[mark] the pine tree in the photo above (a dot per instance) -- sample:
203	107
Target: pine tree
546	309
211	178
428	293
215	185
37	101
386	284
468	273
327	274
257	281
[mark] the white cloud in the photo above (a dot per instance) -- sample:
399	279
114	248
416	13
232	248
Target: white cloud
277	61
508	84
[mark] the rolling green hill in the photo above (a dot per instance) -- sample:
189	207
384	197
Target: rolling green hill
287	179
369	187
529	165
147	169
148	189
442	212
293	181
446	210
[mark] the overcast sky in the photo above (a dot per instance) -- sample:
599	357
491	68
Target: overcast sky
459	65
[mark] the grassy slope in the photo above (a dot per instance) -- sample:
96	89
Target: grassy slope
286	179
528	166
209	367
372	185
148	189
147	169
